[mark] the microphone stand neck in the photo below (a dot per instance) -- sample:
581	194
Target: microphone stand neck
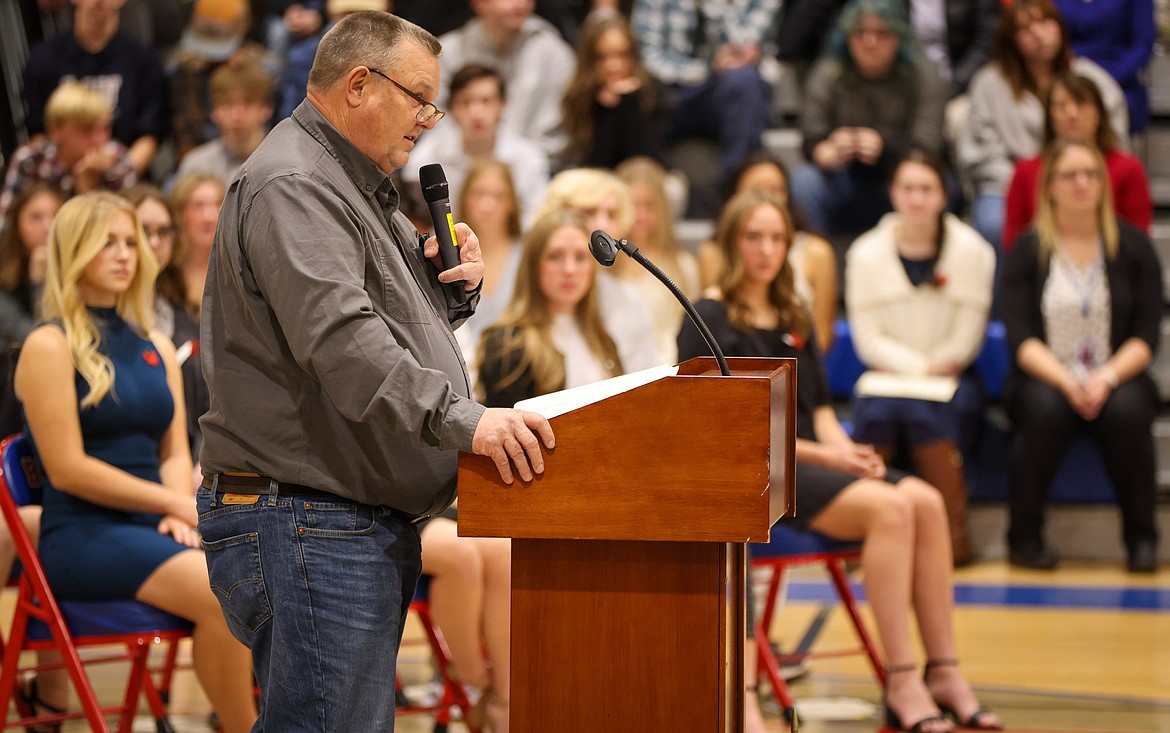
632	250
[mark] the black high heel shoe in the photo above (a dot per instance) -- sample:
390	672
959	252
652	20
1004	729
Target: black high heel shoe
32	699
923	725
974	721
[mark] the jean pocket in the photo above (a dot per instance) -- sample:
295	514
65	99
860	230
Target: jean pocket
335	519
237	579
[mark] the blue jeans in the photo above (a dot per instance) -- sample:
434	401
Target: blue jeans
839	204
319	591
987	214
731	106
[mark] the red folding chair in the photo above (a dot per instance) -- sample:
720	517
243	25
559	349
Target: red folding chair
42	623
790	548
454	695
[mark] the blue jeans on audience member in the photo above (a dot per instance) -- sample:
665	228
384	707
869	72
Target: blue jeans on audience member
987	218
318	590
840	204
731	106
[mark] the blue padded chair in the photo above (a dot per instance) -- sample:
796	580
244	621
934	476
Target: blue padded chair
42	623
790	548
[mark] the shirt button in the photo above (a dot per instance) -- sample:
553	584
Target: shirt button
369	187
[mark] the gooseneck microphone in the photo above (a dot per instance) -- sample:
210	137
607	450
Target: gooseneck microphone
605	248
437	195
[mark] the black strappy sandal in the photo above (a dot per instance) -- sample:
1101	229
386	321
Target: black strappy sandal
894	721
31	698
975	720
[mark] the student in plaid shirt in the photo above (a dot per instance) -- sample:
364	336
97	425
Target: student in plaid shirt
77	155
708	53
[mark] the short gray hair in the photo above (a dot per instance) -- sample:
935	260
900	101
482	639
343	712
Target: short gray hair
365	38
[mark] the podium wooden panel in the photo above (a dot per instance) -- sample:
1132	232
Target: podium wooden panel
627	555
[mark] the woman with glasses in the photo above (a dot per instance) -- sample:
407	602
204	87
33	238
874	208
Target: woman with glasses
1076	110
869	99
173	319
1006	121
1082	303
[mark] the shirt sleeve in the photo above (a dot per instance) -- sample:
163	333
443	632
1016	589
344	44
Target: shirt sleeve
1020	293
1132	197
307	256
816	120
1017	209
152	107
981	149
1147	287
653	22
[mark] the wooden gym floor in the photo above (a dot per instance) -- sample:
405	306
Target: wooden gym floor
1085	650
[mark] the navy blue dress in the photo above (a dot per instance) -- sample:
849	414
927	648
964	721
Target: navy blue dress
92	552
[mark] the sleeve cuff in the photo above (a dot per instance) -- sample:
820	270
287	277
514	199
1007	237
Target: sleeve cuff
460	424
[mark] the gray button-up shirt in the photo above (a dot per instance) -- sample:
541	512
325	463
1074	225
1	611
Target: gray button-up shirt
326	339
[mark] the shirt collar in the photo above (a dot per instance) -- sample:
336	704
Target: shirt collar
366	175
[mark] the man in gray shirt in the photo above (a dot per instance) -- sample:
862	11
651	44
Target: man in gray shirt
338	395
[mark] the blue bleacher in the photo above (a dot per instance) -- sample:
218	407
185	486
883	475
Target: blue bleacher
1082	478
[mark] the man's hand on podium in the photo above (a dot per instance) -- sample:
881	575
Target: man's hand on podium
510	436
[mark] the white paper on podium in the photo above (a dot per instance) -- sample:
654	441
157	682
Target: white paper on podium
567	400
917	387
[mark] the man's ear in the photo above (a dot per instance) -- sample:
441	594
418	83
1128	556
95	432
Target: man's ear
358	86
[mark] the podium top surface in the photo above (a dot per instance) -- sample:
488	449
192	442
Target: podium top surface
690	457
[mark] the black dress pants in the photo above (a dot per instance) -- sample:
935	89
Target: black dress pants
1044	426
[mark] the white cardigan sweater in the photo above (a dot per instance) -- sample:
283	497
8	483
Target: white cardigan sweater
900	328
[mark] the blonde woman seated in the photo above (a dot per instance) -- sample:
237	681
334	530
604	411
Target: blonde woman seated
652	231
845	491
102	396
552	336
1082	304
606	203
918	289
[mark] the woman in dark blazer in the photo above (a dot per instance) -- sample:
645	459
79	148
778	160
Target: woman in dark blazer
1082	303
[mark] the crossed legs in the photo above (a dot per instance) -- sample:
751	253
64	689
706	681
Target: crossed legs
906	560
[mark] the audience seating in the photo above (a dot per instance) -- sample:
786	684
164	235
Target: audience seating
791	548
454	693
42	623
1082	478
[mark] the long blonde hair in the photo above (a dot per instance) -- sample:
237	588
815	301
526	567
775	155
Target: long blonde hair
80	230
527	322
1045	224
643	171
782	293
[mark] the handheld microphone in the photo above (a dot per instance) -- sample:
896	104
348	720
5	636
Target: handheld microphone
604	249
436	192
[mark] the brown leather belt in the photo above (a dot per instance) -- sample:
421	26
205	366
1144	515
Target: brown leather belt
250	485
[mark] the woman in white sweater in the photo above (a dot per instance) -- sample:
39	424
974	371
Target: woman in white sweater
918	288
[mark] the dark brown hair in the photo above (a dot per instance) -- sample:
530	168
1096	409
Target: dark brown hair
1083	90
782	293
474	72
577	106
1007	55
13	254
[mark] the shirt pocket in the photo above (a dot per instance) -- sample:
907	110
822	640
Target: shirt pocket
401	296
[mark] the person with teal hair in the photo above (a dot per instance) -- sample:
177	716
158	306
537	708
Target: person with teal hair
868	100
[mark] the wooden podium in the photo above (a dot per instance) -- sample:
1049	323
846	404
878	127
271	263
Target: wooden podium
627	553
